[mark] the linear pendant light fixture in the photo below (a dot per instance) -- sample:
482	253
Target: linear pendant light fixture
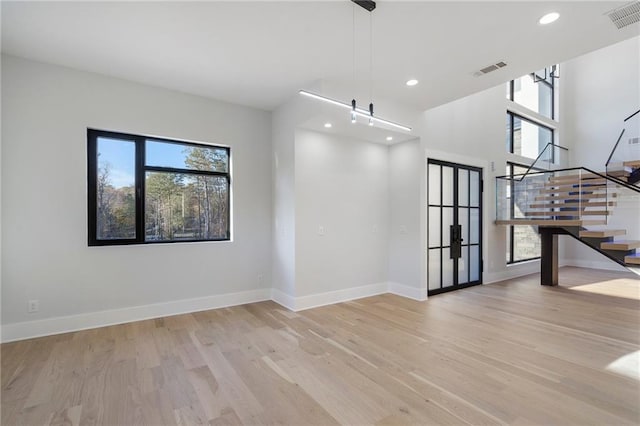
369	6
355	110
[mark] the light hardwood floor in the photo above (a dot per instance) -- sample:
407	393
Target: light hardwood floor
505	353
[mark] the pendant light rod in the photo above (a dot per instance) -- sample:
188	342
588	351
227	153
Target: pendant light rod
368	5
355	109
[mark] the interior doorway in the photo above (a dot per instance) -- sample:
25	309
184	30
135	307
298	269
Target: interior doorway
454	251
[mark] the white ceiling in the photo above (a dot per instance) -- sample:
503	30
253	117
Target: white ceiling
260	53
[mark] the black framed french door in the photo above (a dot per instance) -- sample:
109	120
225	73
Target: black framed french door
454	224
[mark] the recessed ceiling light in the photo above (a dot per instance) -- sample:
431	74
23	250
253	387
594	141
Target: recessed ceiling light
549	18
389	138
328	125
412	82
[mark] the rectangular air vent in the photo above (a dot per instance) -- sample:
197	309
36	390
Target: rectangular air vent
634	141
490	68
625	15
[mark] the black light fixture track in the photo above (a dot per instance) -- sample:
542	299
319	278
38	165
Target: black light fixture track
356	111
368	5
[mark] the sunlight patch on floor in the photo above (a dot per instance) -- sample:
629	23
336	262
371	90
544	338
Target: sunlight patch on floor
627	365
629	289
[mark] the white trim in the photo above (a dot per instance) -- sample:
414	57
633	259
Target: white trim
337	296
487	194
65	324
419	294
512	271
609	265
283	299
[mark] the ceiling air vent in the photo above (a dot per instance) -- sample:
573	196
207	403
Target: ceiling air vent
625	15
490	68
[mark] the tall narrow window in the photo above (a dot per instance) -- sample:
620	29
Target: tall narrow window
527	138
523	241
144	190
535	91
530	134
115	189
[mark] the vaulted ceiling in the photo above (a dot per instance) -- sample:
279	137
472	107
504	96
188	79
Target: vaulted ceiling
260	53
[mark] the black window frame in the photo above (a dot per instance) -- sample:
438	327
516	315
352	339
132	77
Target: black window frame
511	115
140	172
511	166
549	82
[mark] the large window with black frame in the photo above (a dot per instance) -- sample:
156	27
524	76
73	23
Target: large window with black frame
528	138
536	91
529	133
156	190
534	94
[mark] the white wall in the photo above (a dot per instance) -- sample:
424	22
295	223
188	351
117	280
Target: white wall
602	88
46	110
471	131
341	185
405	225
283	224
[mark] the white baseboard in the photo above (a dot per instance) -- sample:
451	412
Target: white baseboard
512	271
419	294
283	299
57	325
608	265
337	296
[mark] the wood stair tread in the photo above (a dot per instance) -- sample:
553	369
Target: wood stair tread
582	176
618	173
633	259
575	197
620	245
573	205
583	190
583	183
551	222
632	163
569	213
603	233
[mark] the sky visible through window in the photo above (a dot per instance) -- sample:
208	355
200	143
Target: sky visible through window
119	156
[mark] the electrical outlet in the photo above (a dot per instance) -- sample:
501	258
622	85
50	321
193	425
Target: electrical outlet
375	229
321	230
403	229
260	279
33	306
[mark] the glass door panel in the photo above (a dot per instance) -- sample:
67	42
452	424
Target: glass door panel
454	226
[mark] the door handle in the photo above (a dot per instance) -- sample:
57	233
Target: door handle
456	241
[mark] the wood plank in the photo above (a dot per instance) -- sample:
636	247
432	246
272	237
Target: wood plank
583	183
618	173
584	190
632	163
576	177
576	198
620	245
633	259
569	213
506	353
550	222
583	206
603	233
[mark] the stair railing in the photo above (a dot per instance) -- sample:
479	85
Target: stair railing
540	156
615	164
529	192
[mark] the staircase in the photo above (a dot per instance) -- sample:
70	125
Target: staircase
578	202
628	171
